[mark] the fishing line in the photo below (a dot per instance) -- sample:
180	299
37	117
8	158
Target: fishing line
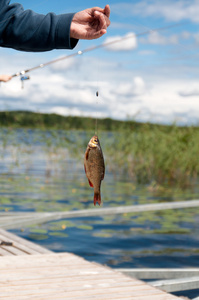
94	48
97	96
96	118
96	124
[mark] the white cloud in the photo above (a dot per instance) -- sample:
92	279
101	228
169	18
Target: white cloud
121	43
170	10
161	101
193	92
150	94
139	85
156	38
64	65
166	104
131	88
65	111
147	52
185	35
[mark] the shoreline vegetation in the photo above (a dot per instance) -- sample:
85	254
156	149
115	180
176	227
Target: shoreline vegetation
159	155
28	119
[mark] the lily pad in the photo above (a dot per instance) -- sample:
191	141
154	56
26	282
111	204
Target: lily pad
58	234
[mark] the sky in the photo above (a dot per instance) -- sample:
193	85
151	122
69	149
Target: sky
151	77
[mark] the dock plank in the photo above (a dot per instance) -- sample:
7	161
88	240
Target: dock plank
13	250
67	276
4	252
20	245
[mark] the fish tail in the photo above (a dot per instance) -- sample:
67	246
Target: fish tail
97	198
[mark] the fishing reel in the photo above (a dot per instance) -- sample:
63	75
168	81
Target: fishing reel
23	78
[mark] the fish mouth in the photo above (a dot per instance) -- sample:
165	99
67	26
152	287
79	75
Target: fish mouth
94	141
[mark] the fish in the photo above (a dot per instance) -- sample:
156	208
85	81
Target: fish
94	166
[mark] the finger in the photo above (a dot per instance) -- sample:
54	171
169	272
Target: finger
107	10
94	9
103	20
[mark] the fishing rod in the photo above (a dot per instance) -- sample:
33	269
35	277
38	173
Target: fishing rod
23	72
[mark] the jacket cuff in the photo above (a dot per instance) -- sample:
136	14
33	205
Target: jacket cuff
63	39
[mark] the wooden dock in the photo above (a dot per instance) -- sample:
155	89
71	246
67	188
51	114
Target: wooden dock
11	244
29	271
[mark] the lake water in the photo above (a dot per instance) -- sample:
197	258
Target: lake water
39	173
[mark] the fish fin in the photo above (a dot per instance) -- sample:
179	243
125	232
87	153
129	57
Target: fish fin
90	183
97	198
87	152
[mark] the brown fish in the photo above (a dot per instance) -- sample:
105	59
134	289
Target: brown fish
94	166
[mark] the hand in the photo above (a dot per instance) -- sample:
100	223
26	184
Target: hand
5	78
90	23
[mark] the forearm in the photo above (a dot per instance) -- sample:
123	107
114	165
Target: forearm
28	31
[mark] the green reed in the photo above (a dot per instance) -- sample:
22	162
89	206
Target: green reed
164	154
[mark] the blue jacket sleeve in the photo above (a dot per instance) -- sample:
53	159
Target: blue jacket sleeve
28	31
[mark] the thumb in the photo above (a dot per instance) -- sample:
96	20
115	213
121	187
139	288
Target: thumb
107	10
